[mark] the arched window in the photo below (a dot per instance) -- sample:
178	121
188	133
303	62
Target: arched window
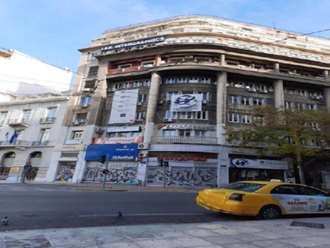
8	159
35	158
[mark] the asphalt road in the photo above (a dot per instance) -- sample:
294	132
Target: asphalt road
35	206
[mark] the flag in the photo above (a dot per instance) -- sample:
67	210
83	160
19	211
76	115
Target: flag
13	138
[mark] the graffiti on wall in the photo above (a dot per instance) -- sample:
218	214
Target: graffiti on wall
177	175
126	175
65	173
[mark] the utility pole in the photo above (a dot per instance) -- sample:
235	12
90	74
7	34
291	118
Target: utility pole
105	161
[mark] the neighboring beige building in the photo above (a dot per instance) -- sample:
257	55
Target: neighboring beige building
172	86
31	129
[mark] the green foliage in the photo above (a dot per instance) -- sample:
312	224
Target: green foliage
287	133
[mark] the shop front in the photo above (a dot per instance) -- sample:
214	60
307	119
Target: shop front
182	169
257	169
119	167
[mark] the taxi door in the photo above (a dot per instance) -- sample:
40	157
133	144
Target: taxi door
317	201
289	198
297	199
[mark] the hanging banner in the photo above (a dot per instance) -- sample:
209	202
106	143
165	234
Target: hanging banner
123	108
186	103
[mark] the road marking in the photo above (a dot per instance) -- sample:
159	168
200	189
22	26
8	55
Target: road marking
142	214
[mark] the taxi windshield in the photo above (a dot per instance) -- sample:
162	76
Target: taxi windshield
247	187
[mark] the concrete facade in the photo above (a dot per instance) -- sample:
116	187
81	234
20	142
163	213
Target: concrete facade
231	67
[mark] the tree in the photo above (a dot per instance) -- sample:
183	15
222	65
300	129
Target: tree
295	134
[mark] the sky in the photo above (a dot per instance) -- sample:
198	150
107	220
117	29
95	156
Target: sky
54	30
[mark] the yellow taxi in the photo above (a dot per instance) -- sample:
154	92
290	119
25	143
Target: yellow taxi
265	199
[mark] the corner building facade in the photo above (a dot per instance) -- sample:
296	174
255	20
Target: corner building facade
171	87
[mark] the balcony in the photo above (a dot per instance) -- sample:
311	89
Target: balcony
5	143
47	120
185	140
18	123
127	70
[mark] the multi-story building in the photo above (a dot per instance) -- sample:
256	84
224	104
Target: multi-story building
31	131
167	90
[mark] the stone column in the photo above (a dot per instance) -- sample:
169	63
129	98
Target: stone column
277	67
221	106
327	98
278	94
151	107
222	59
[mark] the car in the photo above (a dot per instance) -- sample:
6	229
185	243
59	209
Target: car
265	199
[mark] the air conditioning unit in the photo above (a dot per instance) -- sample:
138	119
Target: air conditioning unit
143	146
204	101
75	122
87	89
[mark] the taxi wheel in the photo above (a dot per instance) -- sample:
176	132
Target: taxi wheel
270	212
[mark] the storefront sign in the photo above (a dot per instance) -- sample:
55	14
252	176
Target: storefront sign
112	151
133	44
186	103
123	108
259	164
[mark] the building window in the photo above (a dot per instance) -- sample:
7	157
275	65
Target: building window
85	101
185	133
26	114
3	117
233	118
44	135
246	119
200	133
90	84
205	115
169	133
80	119
76	134
51	112
141	98
92	72
140	116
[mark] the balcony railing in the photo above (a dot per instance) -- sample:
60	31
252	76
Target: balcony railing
184	140
23	143
5	143
127	69
47	120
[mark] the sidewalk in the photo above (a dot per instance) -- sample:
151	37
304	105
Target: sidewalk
229	234
108	187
